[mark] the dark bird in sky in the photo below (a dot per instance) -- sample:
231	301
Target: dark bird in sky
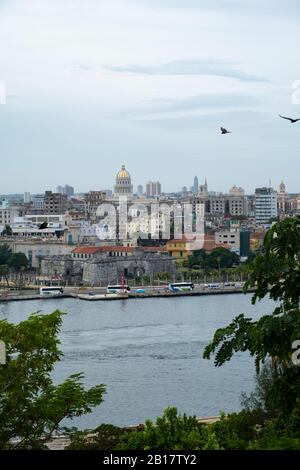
43	225
289	119
224	131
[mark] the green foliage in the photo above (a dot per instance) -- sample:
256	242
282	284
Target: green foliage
5	253
18	261
275	272
222	258
7	231
105	437
4	272
164	276
173	432
218	258
197	258
270	336
270	440
236	430
31	407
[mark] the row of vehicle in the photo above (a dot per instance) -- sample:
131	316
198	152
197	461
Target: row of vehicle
236	285
171	287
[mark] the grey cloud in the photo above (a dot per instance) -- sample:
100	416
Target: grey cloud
190	67
194	103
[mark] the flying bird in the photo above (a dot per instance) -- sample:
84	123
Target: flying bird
289	119
43	225
224	131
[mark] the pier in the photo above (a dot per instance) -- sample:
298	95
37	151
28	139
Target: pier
99	294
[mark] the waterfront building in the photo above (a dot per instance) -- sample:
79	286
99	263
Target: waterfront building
95	266
178	249
36	250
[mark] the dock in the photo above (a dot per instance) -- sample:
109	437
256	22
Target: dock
102	297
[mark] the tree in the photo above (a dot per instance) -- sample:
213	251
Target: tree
5	253
18	261
4	272
222	258
275	273
31	406
171	431
7	231
198	258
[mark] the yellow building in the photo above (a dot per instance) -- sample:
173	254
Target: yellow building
178	249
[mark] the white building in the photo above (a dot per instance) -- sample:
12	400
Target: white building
228	238
38	202
26	198
28	226
7	215
265	205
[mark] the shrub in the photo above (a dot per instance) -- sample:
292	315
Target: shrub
173	432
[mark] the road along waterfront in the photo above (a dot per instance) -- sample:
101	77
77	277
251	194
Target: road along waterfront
149	353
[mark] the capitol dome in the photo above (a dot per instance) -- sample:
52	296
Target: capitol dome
123	174
123	186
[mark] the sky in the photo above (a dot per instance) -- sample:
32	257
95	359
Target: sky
92	84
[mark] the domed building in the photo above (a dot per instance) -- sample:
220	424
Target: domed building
235	191
123	186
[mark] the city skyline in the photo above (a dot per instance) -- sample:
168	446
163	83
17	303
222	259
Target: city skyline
149	83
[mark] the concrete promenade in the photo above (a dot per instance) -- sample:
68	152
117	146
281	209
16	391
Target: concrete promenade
150	292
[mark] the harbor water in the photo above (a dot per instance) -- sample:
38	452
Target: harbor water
148	352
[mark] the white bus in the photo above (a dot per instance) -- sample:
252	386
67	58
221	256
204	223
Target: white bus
117	289
51	290
181	286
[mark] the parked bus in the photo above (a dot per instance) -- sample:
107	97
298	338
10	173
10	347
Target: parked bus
181	286
117	289
51	290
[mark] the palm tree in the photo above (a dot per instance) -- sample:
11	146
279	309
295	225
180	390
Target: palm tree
4	272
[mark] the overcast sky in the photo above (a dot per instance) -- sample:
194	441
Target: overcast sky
92	84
